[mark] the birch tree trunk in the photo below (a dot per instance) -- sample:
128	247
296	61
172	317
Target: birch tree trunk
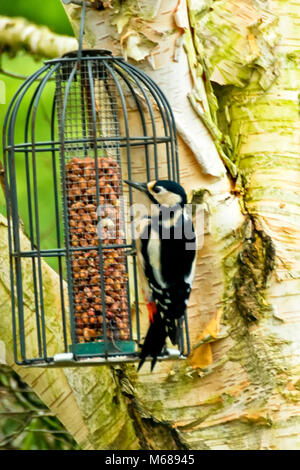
229	70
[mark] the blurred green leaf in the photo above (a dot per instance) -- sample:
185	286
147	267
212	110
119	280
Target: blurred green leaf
10	426
28	65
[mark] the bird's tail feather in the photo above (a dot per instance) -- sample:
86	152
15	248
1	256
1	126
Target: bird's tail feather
173	331
154	341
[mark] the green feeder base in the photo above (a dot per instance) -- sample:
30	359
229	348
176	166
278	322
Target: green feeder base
98	348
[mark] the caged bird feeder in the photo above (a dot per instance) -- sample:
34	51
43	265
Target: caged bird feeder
107	121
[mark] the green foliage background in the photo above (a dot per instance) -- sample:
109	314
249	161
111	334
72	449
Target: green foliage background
51	14
25	423
44	12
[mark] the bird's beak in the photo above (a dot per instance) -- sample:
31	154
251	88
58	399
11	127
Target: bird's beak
140	186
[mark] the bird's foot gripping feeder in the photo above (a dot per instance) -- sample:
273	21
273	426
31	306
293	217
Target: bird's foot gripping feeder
107	121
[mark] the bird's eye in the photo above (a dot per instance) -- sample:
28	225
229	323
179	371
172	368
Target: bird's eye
156	189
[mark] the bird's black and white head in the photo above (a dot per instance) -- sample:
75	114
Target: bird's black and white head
162	192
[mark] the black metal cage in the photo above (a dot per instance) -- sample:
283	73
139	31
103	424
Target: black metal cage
108	121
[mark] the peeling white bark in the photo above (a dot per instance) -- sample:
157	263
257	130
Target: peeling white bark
162	45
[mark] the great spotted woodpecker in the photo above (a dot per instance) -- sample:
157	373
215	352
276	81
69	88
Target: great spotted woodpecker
166	249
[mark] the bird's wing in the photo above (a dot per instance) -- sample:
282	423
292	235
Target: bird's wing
146	289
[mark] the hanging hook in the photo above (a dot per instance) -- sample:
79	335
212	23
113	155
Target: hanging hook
97	4
83	5
81	33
